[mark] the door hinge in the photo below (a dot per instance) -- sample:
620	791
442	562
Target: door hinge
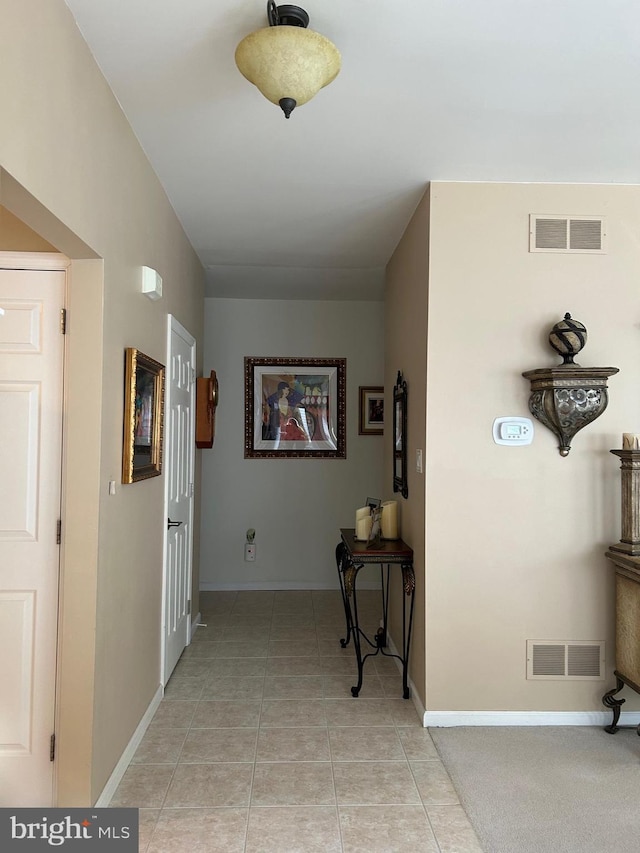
52	748
189	607
192	489
63	321
59	532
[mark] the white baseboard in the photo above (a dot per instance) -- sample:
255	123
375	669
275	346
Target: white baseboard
435	719
527	718
125	759
279	585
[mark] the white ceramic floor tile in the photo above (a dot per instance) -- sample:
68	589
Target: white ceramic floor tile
293	829
293	744
300	783
223	713
220	830
259	747
209	785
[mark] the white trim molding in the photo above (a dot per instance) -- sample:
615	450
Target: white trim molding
125	759
434	719
34	261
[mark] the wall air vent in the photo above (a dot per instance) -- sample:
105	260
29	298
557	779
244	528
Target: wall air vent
551	660
569	234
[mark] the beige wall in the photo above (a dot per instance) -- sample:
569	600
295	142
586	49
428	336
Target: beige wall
273	498
516	536
15	236
406	301
73	171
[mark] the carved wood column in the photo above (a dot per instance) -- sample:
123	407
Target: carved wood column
630	498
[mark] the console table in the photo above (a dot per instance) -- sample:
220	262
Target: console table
625	555
351	556
627	669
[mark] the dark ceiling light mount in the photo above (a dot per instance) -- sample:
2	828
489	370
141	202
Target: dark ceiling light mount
288	16
286	61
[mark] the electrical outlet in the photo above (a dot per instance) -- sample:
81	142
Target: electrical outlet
249	552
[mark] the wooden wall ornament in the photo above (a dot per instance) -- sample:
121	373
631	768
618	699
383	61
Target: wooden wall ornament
206	402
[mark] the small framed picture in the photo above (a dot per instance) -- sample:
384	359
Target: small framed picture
376	527
371	420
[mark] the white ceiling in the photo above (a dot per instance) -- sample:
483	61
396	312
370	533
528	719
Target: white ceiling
469	90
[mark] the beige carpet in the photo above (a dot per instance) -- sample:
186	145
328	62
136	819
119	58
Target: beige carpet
547	789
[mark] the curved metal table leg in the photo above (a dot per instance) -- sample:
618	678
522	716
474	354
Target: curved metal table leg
609	701
350	576
342	563
409	587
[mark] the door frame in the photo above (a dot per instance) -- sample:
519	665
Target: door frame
173	325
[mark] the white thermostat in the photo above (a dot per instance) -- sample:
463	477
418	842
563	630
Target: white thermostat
512	430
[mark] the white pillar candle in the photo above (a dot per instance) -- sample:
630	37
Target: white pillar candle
363	528
630	441
389	520
363	512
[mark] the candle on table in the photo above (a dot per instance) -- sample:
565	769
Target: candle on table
389	521
363	527
630	441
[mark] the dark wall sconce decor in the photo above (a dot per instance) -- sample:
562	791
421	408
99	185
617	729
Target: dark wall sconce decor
399	433
567	397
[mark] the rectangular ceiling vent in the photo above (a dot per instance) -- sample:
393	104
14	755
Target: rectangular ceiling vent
551	660
568	234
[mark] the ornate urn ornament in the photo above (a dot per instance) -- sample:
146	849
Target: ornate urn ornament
567	397
567	338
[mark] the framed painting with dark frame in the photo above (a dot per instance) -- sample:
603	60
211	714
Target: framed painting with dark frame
143	417
371	410
294	408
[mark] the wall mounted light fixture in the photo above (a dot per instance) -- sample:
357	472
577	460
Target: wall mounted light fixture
151	283
287	62
567	397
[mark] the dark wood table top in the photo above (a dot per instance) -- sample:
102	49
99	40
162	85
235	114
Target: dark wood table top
390	550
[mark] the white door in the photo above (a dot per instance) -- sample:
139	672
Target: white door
31	364
178	467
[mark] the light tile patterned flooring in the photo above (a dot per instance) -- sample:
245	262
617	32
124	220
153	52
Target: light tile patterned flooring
259	747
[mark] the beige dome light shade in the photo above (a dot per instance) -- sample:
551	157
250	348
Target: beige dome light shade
288	63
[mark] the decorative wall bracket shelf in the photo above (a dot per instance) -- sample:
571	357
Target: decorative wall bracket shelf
567	397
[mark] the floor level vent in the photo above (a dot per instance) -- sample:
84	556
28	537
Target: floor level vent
581	234
550	660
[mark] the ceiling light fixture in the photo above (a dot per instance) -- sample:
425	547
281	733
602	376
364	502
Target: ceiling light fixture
286	61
